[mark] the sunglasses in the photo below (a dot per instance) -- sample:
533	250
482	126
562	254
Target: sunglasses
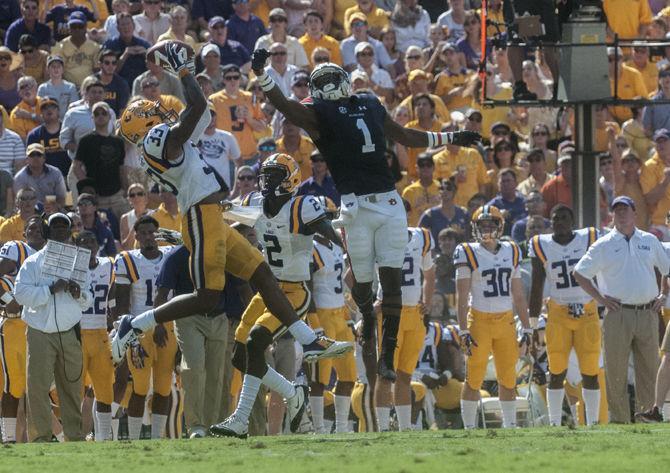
606	162
366	53
279	53
219	26
318	160
415	58
150	84
321	59
100	113
36	155
246	178
109	63
425	165
27	198
236	77
136	194
540	133
267	148
26	86
475	119
27	51
85	203
358	24
278	20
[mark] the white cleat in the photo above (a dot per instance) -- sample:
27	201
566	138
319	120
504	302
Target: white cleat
295	407
124	336
324	347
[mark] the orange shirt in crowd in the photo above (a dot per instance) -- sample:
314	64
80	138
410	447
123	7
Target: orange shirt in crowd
226	118
556	191
301	155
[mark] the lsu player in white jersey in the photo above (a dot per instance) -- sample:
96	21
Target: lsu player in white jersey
152	357
488	287
572	315
95	346
285	230
417	286
12	328
327	269
170	156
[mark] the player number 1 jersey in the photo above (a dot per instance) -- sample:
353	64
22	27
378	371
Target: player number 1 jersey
141	273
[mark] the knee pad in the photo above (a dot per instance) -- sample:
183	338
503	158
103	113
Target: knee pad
239	358
259	339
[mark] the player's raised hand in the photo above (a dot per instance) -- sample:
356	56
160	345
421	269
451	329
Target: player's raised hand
178	57
258	59
466	138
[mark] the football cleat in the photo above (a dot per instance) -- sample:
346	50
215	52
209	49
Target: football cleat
198	433
230	427
124	336
324	347
649	417
295	407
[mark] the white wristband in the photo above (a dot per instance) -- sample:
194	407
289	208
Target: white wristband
266	82
447	374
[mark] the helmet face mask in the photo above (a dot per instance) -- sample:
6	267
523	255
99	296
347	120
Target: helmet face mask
487	224
279	176
329	82
142	115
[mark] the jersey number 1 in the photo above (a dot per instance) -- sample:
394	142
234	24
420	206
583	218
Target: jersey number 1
369	146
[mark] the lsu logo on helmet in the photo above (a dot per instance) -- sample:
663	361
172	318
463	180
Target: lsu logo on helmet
280	175
487	223
329	81
142	115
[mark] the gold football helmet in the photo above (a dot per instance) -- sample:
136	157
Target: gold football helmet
487	223
142	115
280	175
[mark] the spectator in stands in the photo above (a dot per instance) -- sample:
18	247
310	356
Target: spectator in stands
360	82
167	214
12	150
627	19
510	202
266	147
63	91
294	143
25	116
360	35
320	182
12	228
655	117
447	214
424	113
445	271
57	16
130	48
117	91
454	19
243	26
418	81
87	208
235	111
504	156
627	167
137	198
630	84
279	69
539	138
470	44
388	39
178	27
640	61
10	11
111	26
150	88
410	22
34	59
231	51
538	175
606	180
45	179
654	181
204	10
211	59
9	75
246	182
151	23
6	194
100	156
423	193
28	24
314	37
299	91
169	83
535	207
52	311
380	80
220	150
278	34
377	18
558	189
79	53
450	82
48	135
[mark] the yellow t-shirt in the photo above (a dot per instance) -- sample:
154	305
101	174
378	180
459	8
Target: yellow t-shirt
377	18
649	75
188	39
340	7
624	17
413	153
102	10
301	155
495	114
12	229
602	141
328	42
446	81
23	125
166	220
226	107
39	70
629	85
420	199
262	11
79	62
651	175
471	172
441	111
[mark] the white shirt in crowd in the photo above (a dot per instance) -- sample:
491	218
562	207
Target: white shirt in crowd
149	29
78	122
379	76
624	268
220	150
283	80
11	149
43	311
295	52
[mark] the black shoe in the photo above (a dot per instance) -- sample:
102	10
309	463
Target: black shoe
522	93
385	370
649	417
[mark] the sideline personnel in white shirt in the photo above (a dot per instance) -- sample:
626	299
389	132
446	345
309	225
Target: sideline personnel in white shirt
52	310
624	262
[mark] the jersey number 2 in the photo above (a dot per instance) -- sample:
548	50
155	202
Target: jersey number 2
369	146
272	247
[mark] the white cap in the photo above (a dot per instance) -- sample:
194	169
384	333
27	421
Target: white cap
360	47
210	48
358	74
59	216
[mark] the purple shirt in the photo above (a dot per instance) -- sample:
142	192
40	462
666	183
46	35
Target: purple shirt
41	33
245	32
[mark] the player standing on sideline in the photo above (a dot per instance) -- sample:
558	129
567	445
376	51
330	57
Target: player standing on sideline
170	157
572	315
350	131
488	287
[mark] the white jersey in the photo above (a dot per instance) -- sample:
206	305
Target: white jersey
492	274
134	269
102	278
559	262
16	251
286	240
427	362
418	258
189	178
328	262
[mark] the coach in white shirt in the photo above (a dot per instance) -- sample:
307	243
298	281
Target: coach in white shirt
52	311
624	263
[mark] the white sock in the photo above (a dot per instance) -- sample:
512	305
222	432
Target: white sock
327	426
591	405
404	414
158	422
250	387
103	431
383	418
278	384
316	404
573	412
94	410
145	321
508	414
115	429
342	406
9	429
301	332
555	405
666	411
134	427
60	437
469	413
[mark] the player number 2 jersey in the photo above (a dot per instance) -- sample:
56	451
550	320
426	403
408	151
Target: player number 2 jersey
102	278
559	261
492	274
328	262
133	268
286	239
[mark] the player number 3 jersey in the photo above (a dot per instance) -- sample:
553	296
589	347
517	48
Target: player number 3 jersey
492	274
328	262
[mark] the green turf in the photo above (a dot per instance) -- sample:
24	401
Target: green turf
603	449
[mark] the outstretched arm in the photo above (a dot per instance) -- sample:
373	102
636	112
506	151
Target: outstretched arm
422	139
196	106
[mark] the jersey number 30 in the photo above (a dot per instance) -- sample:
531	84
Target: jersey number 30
497	282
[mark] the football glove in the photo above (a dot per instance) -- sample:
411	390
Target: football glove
526	337
137	354
465	138
467	342
258	59
177	57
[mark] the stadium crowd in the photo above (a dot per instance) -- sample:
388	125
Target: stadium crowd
68	71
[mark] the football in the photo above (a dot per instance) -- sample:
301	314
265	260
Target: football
157	53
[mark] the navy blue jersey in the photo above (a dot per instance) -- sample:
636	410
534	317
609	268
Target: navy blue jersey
351	139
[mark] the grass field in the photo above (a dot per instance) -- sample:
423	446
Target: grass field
603	449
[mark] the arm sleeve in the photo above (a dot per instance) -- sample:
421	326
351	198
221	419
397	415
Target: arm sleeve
310	209
27	290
